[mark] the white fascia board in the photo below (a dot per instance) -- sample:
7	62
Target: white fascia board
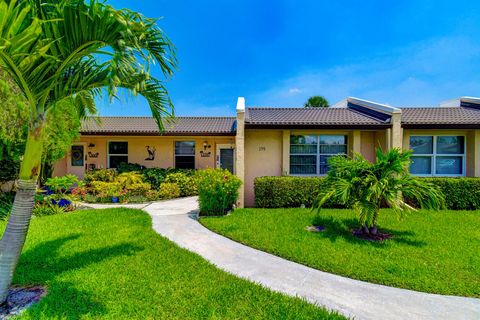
457	101
385	108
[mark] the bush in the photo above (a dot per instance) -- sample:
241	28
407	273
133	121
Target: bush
217	190
9	169
186	183
460	193
6	203
288	192
103	175
129	167
106	189
157	176
153	195
43	209
62	184
127	179
168	190
138	189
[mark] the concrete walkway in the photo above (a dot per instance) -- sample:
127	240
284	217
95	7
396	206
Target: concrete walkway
176	220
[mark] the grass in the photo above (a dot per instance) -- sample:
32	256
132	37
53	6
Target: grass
110	264
434	252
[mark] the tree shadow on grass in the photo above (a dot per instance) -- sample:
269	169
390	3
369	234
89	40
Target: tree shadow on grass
336	229
43	264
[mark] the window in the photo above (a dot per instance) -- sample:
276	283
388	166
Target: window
309	153
117	153
438	155
77	156
185	154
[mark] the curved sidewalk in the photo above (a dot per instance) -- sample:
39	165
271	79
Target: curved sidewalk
176	220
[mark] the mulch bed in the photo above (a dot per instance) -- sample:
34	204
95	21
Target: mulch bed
379	236
19	299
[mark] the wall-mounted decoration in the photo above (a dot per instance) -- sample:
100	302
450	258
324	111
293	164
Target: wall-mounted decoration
205	153
151	153
91	145
262	149
93	154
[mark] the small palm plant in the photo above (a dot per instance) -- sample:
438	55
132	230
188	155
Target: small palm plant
366	187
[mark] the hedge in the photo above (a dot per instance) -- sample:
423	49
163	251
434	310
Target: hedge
288	191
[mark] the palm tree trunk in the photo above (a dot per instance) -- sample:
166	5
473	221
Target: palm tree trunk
15	233
373	228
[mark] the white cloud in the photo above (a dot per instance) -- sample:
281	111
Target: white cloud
294	91
425	73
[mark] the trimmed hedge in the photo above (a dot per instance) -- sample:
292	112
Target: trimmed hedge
288	191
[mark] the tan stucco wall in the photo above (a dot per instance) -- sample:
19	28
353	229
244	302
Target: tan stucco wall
137	153
472	152
263	157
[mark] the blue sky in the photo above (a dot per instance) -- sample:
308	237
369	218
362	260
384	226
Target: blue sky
278	53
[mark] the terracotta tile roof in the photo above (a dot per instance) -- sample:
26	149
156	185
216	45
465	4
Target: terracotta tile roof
436	116
148	126
310	117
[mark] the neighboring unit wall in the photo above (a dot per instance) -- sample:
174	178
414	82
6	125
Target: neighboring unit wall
263	157
137	151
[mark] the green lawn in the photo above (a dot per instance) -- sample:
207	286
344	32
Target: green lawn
431	251
110	264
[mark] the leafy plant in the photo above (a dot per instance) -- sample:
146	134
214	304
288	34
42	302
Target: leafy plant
186	183
127	179
6	203
168	191
217	190
129	167
138	189
316	102
106	189
365	186
104	175
61	185
157	176
46	209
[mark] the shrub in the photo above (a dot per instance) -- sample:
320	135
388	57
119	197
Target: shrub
129	167
168	190
62	184
44	209
6	202
103	175
460	193
153	195
138	189
287	192
106	189
218	191
127	179
186	183
157	176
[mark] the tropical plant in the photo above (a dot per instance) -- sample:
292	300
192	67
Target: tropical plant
365	186
69	50
316	102
127	179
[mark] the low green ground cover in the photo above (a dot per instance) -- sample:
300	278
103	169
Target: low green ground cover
110	264
430	251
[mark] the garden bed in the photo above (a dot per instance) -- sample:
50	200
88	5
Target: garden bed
429	251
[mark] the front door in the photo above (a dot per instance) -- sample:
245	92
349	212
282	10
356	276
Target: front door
77	160
226	157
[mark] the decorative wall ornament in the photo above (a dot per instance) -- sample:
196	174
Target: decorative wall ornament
151	153
205	153
93	154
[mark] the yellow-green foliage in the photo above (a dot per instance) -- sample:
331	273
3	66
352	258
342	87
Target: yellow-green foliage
106	189
127	179
168	190
217	190
138	189
186	183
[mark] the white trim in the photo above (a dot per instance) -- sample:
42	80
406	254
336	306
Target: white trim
434	155
115	154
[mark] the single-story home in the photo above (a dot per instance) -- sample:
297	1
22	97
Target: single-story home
264	141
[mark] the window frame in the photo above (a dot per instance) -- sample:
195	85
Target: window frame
115	154
433	156
317	154
194	155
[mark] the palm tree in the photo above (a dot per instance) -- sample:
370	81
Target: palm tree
68	50
316	102
365	186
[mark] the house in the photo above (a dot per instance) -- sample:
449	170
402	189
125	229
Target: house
287	141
